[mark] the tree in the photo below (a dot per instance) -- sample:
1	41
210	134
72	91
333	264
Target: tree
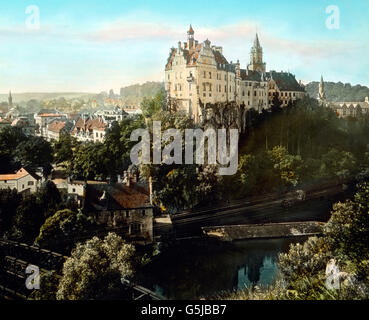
28	220
151	106
49	198
60	231
95	268
9	201
338	164
347	232
63	149
287	166
10	138
33	153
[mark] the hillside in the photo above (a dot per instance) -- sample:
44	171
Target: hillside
24	97
339	92
133	95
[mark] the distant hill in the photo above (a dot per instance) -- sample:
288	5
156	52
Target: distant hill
24	97
133	95
339	92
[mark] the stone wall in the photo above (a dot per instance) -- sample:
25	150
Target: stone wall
272	230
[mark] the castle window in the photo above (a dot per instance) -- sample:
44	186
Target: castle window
248	93
243	93
254	93
220	88
203	87
127	213
210	87
143	212
209	75
204	74
225	77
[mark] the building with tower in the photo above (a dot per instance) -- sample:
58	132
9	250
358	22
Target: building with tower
321	93
199	73
256	57
10	100
343	109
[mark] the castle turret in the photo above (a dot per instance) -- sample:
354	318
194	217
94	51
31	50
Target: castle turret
190	37
256	57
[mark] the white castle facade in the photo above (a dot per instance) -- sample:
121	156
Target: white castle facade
198	72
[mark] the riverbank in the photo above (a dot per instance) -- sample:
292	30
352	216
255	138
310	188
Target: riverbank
263	231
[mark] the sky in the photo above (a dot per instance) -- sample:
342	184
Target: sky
94	46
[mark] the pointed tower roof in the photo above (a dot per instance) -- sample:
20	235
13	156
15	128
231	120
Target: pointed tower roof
256	41
191	31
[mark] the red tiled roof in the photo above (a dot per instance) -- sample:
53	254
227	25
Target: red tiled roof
56	126
117	196
15	176
45	115
89	124
192	56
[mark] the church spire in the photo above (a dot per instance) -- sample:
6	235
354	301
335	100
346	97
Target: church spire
10	100
321	94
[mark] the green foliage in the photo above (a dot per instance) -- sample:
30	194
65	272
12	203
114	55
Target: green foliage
33	153
9	201
60	231
347	232
99	161
152	106
338	91
63	149
94	269
28	219
49	282
10	138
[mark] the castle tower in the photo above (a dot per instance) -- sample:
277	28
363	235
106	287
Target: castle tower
10	100
191	37
321	94
256	57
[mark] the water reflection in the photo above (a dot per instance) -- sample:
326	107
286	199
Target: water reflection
193	270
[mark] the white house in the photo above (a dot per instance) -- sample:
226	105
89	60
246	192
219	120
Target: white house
23	181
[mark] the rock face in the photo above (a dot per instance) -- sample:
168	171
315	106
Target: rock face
272	230
228	115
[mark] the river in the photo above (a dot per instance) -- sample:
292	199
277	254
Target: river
193	269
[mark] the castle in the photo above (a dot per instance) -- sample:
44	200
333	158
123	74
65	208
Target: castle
198	74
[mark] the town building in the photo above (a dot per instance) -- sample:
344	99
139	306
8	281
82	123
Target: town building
26	124
350	109
44	118
343	109
125	206
24	181
56	128
198	73
89	130
110	115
